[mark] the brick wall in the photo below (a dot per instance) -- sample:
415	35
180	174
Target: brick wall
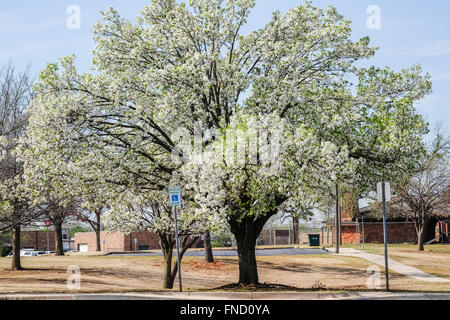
37	240
145	240
118	241
109	241
397	232
282	237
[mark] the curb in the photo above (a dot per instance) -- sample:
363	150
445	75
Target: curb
293	296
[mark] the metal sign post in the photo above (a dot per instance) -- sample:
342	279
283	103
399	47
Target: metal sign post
48	223
385	197
336	225
175	201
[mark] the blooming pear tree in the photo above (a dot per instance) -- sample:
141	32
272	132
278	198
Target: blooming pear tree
150	212
283	93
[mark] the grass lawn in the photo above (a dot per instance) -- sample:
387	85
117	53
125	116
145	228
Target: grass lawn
121	274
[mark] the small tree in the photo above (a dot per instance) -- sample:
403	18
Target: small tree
58	212
93	217
140	213
425	194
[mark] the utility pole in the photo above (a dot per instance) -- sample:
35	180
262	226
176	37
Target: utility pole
337	224
383	188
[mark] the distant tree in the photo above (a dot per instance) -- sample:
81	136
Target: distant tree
425	194
5	243
58	212
77	229
93	218
15	208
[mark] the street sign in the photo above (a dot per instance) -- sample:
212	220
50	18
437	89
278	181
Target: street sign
47	223
387	190
175	196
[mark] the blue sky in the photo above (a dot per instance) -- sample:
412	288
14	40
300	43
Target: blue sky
36	33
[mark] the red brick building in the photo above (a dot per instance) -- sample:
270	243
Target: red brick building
372	232
118	241
37	240
42	241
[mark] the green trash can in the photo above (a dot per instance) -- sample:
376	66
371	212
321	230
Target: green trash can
314	240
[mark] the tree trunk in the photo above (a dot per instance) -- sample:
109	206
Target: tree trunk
246	232
167	249
248	270
420	240
208	249
97	231
16	265
295	230
58	240
98	243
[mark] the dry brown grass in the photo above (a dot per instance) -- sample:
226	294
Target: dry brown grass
124	273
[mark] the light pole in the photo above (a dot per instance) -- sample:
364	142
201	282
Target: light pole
337	225
383	188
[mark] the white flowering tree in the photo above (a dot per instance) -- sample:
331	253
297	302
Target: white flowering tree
183	67
132	212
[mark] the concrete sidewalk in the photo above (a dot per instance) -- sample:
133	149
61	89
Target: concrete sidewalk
398	267
230	296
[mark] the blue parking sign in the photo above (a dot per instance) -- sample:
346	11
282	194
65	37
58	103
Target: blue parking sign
175	196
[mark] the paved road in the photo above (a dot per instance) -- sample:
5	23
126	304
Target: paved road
233	253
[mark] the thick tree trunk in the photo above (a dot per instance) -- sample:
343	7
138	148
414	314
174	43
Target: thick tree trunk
248	270
246	232
208	249
97	238
295	230
58	240
16	265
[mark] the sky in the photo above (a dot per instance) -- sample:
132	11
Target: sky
37	32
